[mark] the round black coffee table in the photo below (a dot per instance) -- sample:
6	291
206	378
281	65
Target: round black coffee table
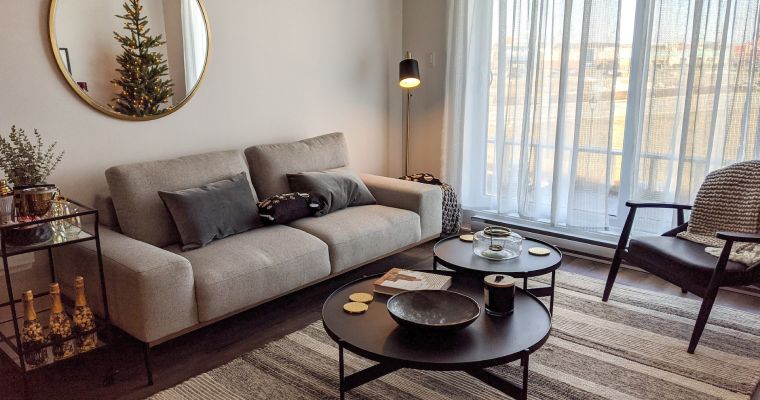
458	255
487	342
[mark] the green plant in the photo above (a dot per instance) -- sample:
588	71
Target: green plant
141	68
24	162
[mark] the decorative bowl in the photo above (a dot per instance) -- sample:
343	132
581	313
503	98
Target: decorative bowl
433	310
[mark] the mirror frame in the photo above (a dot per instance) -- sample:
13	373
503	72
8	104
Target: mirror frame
104	108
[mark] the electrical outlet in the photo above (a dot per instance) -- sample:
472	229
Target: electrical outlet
431	59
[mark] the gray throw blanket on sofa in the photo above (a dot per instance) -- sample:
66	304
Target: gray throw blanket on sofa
728	200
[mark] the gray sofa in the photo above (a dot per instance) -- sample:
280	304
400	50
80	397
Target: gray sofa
157	292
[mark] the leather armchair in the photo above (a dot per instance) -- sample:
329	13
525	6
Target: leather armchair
682	262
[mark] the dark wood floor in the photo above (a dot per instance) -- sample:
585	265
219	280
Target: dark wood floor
205	349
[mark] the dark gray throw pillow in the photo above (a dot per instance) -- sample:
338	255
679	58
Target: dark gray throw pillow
212	211
334	190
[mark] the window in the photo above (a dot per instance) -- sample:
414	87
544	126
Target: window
589	103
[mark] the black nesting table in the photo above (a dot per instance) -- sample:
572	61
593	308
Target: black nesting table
458	255
487	342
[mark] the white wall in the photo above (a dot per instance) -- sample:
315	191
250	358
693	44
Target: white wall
279	71
425	36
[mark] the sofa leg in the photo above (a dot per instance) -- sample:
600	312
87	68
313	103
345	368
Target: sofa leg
704	315
684	291
148	368
614	268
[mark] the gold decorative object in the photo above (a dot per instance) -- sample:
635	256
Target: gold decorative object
467	238
34	201
361	297
539	251
355	307
84	321
31	333
60	326
79	84
6	203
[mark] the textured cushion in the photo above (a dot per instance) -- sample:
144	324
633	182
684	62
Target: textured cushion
285	208
679	260
245	269
333	190
134	189
212	211
356	235
270	163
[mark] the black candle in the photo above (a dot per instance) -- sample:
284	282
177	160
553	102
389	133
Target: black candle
499	294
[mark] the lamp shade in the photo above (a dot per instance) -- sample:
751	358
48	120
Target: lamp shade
408	73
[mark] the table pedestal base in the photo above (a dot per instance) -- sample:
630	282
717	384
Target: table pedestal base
377	371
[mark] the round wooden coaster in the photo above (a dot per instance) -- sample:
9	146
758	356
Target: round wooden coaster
355	308
539	251
467	237
360	297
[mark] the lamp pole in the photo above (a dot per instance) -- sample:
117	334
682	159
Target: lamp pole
409	78
408	129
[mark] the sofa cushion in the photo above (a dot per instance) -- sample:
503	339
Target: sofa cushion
360	234
212	211
134	189
680	260
270	163
245	269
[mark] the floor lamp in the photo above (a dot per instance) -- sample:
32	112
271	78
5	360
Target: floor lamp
408	78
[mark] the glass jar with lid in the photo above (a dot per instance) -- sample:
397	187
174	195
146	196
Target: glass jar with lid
497	243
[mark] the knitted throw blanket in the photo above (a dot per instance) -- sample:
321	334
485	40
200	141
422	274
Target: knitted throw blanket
452	210
728	200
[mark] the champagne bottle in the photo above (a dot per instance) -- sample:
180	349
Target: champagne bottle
84	321
31	333
60	326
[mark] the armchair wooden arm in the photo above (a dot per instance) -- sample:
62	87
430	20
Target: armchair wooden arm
739	236
633	205
644	204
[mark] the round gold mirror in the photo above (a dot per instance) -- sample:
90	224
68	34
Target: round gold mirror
131	59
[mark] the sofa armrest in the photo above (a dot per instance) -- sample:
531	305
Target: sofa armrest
425	200
151	291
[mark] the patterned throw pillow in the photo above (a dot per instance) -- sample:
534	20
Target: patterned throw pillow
422	178
288	207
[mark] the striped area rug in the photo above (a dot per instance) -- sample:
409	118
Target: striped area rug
633	347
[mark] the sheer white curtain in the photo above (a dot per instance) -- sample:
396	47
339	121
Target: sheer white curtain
700	103
195	42
560	110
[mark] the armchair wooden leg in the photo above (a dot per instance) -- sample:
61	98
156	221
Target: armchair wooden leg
614	268
704	315
618	258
